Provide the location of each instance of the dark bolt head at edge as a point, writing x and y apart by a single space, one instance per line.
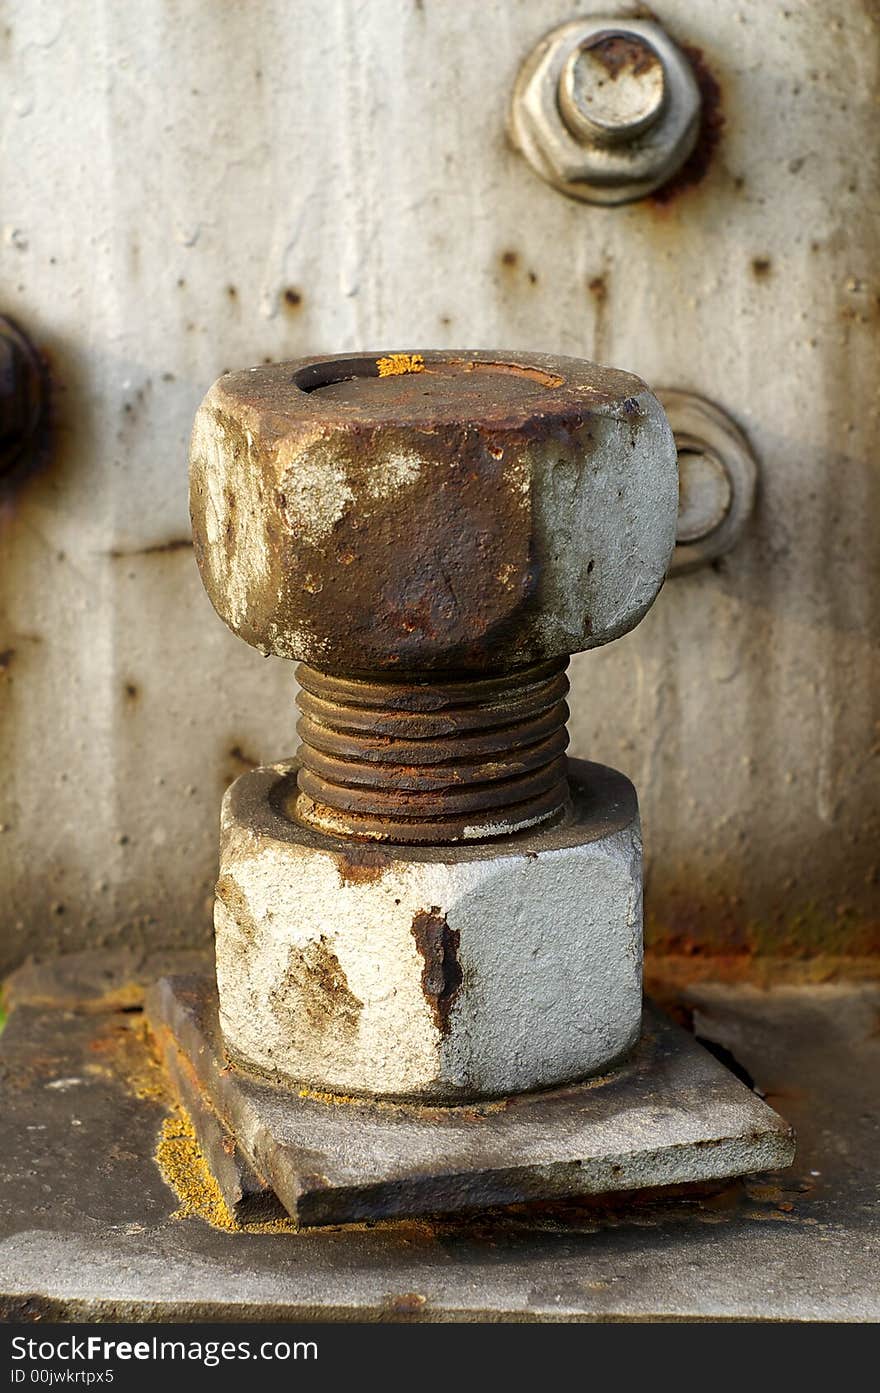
22 395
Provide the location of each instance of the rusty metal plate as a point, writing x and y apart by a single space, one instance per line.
89 1230
672 1115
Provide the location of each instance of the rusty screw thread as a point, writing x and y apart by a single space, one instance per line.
432 761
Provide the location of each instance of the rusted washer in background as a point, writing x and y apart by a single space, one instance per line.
717 479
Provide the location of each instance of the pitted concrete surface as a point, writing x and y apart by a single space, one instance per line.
361 522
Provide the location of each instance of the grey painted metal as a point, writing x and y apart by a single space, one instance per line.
87 1226
303 188
671 1114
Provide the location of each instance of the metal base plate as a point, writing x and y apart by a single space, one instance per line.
673 1114
90 1230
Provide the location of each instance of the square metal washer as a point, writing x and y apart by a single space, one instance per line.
672 1114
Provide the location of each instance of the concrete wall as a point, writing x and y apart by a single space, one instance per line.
189 186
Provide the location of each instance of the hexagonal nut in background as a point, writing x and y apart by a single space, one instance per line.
603 170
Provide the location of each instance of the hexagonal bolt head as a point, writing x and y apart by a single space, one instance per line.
467 512
606 109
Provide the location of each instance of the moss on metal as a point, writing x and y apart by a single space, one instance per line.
185 1170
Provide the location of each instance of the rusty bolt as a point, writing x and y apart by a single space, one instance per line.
606 109
431 535
22 395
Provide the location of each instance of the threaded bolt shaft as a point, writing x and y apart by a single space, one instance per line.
432 761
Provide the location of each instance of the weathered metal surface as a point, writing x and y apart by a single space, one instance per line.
467 513
88 1228
671 1115
418 513
443 972
432 761
252 211
606 108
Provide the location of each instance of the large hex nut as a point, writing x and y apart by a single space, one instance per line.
588 146
467 512
429 973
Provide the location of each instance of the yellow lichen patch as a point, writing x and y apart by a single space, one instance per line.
184 1168
396 363
320 1096
20 991
146 1077
414 1108
122 1050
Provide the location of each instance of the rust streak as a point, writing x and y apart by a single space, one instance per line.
360 865
615 52
695 168
175 544
245 760
438 945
